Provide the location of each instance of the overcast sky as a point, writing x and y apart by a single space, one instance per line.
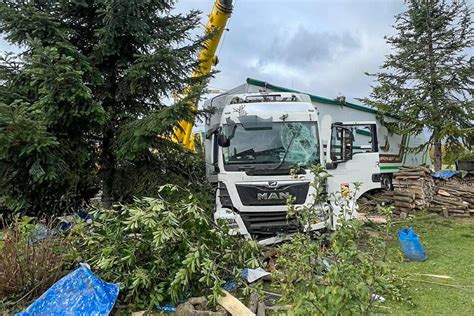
315 46
319 47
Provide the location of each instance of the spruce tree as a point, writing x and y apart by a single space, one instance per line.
86 93
427 79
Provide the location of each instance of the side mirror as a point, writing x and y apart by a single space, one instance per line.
223 140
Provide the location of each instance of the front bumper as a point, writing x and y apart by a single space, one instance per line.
266 227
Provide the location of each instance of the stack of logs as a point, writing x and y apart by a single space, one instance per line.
413 189
453 198
372 201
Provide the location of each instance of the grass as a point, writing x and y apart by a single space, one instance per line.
450 247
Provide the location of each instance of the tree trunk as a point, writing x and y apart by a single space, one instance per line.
434 99
107 167
438 158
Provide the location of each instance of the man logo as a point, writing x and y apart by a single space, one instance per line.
273 196
272 184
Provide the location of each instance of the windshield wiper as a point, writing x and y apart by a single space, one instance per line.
245 168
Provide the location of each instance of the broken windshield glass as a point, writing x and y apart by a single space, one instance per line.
268 146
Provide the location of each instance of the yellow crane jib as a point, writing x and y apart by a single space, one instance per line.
218 18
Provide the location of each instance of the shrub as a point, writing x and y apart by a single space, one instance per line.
341 279
162 249
31 260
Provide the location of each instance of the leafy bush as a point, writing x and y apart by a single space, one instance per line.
162 249
31 260
341 279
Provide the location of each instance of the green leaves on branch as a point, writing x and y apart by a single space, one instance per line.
339 276
163 249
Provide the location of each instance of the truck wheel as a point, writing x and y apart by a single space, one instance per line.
386 182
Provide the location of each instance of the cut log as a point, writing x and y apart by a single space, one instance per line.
261 309
443 193
399 198
233 305
404 204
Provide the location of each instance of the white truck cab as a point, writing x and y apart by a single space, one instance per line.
252 142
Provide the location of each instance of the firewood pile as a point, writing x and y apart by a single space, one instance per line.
453 198
414 189
372 201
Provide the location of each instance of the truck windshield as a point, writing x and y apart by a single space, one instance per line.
288 143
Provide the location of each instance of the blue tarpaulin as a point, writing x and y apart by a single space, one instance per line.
445 174
80 292
411 245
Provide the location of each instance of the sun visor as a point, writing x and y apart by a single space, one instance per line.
254 122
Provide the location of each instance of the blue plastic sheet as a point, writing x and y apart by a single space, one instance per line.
167 308
80 292
445 174
229 286
411 245
39 232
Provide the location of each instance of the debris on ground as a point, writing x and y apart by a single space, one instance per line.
378 298
230 286
371 201
261 308
233 305
433 275
80 292
253 302
371 218
252 275
197 306
167 308
411 245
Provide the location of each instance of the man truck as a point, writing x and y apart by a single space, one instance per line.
254 140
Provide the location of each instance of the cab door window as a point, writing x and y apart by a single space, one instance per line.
364 139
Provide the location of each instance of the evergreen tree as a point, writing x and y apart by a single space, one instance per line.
427 82
85 95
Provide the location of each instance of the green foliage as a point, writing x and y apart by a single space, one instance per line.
171 164
85 95
338 279
27 156
427 81
28 265
456 153
162 249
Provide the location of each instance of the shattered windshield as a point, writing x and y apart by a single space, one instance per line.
289 142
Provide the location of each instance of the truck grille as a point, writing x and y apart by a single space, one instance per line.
261 194
269 223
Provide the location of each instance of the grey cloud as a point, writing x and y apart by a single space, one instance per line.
305 48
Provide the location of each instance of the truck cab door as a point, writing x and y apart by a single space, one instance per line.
353 156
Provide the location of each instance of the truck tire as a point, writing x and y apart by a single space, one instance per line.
386 181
